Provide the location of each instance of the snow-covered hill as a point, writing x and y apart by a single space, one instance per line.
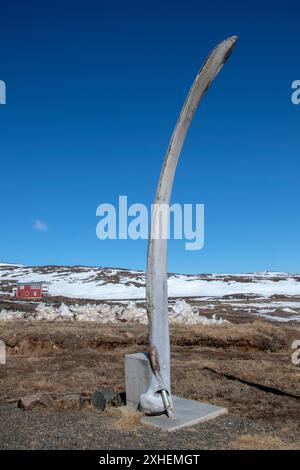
108 283
272 295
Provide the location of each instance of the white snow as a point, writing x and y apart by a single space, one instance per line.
63 281
194 287
128 285
278 318
181 312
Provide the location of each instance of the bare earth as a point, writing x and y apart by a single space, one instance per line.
245 367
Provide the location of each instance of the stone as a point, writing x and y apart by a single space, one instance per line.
29 401
3 352
103 399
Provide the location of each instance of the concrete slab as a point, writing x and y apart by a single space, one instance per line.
186 413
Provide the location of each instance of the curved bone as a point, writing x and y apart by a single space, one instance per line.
154 400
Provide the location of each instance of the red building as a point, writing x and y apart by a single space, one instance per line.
31 290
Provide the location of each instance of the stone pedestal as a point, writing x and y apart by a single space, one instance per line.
186 412
138 376
2 352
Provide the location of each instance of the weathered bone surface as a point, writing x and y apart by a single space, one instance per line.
154 400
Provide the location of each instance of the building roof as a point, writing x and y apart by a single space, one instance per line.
21 283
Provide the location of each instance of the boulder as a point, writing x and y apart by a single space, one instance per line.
103 399
36 399
69 401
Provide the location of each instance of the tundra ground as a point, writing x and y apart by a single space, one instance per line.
245 367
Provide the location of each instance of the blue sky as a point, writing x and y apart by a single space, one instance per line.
93 92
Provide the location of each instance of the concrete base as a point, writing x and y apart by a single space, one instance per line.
186 412
138 376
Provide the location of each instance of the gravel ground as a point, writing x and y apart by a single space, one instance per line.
88 429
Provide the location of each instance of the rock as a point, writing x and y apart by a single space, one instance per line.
103 399
29 401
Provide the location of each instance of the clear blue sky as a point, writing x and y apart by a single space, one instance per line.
94 89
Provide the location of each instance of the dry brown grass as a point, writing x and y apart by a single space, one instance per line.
263 442
70 357
41 384
126 419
